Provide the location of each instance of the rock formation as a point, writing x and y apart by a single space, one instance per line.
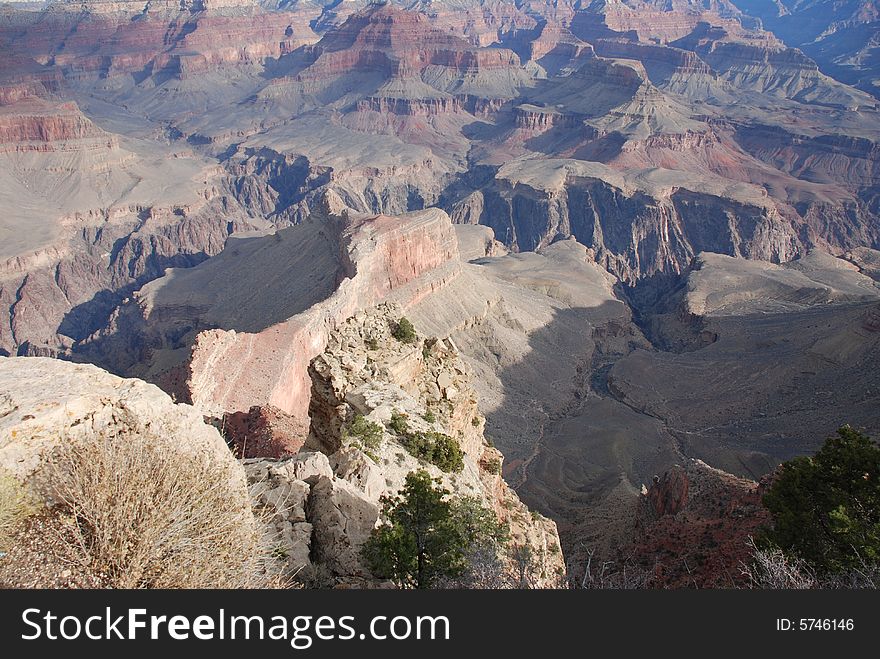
324 509
694 525
839 36
85 402
258 113
264 431
320 508
353 263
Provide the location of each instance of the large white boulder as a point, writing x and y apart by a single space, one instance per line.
45 402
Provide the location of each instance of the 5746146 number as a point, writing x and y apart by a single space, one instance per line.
815 624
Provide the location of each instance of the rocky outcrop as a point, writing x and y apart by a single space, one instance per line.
555 47
85 402
636 230
694 525
403 43
364 368
838 35
668 494
178 39
264 431
430 107
850 161
261 356
538 119
36 125
319 509
765 65
323 510
318 518
343 519
672 69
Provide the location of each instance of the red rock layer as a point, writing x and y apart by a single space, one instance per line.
67 123
401 43
694 526
264 431
184 43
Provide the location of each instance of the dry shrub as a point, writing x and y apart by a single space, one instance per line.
771 569
150 516
17 503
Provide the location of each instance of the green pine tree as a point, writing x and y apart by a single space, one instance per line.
826 508
427 535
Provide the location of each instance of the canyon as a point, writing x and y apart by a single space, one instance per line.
642 237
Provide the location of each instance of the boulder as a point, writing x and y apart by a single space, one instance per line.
281 498
264 431
46 402
307 466
342 518
353 465
669 494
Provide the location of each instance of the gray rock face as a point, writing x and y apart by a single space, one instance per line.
354 466
317 516
427 386
306 467
70 292
635 229
283 500
343 519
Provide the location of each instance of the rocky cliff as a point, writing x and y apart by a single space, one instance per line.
333 487
87 401
638 224
204 335
394 110
319 506
694 525
199 193
838 35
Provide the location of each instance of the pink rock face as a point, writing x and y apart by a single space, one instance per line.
32 119
400 42
403 258
264 432
16 92
405 250
27 122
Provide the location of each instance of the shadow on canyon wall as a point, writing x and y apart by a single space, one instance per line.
254 283
770 388
87 318
573 451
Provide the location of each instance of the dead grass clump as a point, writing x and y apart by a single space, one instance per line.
17 503
150 516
